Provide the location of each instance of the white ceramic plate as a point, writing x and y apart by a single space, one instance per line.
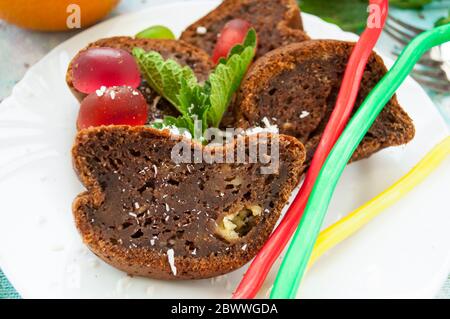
403 253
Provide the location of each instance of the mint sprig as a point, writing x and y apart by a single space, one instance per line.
164 76
206 102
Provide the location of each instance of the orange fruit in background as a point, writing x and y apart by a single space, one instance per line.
52 15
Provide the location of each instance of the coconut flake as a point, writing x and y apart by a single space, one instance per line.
101 91
269 128
201 30
266 122
304 114
143 171
171 259
176 131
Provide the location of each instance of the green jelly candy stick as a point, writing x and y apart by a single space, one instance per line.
299 252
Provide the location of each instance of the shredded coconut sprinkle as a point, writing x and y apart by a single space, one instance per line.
181 132
171 259
101 91
201 30
304 114
142 171
266 122
269 128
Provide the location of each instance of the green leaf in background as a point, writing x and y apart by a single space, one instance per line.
409 4
443 20
350 15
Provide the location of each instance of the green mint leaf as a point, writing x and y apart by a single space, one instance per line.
171 121
227 77
180 122
193 98
249 41
164 76
159 125
179 86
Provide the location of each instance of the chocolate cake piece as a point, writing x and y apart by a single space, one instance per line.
296 87
180 51
147 215
277 23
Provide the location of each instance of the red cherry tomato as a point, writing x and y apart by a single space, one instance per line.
233 33
115 105
98 67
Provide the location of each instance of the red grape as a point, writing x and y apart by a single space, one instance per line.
114 105
98 67
233 33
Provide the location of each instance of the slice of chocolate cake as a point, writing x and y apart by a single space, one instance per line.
147 215
277 23
180 51
296 88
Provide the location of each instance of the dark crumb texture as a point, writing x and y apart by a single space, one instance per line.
296 88
180 51
277 23
140 207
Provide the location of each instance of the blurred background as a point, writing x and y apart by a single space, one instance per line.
406 19
29 29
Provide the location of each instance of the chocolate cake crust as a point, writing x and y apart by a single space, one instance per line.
277 23
141 209
296 87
